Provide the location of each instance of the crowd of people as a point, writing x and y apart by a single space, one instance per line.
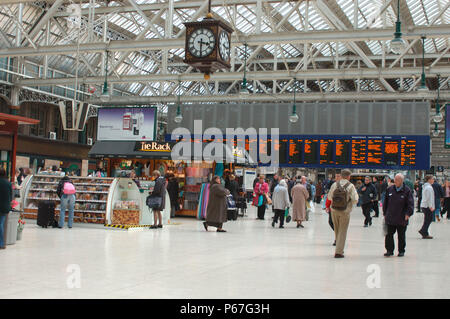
287 196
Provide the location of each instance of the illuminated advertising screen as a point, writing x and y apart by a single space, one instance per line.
126 124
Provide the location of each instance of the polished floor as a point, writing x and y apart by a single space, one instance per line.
251 260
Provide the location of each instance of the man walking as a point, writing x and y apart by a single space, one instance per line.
438 194
398 207
427 206
343 197
368 196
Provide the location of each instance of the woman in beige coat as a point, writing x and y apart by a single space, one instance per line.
299 198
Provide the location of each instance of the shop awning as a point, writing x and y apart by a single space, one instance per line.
148 149
126 149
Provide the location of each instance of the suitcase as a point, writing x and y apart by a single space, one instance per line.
232 214
46 214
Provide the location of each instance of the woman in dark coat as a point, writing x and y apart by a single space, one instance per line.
6 196
173 190
158 191
216 213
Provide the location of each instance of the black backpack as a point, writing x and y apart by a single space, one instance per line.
340 197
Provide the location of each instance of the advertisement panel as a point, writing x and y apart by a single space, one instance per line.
127 124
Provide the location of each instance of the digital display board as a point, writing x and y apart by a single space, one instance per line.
391 152
342 152
359 150
407 153
311 156
295 151
326 151
374 152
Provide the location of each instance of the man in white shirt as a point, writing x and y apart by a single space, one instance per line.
427 206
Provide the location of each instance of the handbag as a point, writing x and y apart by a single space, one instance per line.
153 202
286 214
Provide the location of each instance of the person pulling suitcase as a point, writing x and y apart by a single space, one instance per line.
66 192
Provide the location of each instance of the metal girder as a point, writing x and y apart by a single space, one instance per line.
40 25
310 74
310 96
272 38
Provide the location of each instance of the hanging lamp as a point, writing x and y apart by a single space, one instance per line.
423 85
105 96
178 117
293 118
244 92
398 44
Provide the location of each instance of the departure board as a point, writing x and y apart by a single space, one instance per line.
311 151
326 151
282 151
408 153
374 152
391 153
342 152
359 152
295 151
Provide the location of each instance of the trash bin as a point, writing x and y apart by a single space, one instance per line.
11 227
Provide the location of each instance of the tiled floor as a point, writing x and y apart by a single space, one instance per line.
251 260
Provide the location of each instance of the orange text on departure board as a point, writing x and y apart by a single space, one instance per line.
391 147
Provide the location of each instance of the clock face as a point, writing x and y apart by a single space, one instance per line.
224 46
201 42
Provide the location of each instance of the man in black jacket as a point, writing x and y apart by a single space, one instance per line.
6 196
398 207
368 195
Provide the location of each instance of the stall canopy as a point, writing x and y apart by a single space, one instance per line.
9 124
131 149
148 149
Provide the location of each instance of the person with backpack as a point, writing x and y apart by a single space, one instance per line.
398 207
368 194
66 192
343 197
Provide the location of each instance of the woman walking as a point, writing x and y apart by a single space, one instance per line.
300 196
216 213
159 191
280 202
261 189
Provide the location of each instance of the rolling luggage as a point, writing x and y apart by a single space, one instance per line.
232 211
46 214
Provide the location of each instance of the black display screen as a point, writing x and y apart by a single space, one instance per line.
295 151
342 152
374 152
408 153
326 151
311 156
359 152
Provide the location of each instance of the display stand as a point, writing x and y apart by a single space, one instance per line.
127 204
91 197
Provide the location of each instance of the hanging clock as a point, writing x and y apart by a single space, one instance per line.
208 45
224 45
201 42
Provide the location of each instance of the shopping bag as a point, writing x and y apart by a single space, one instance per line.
312 207
385 228
286 214
260 200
